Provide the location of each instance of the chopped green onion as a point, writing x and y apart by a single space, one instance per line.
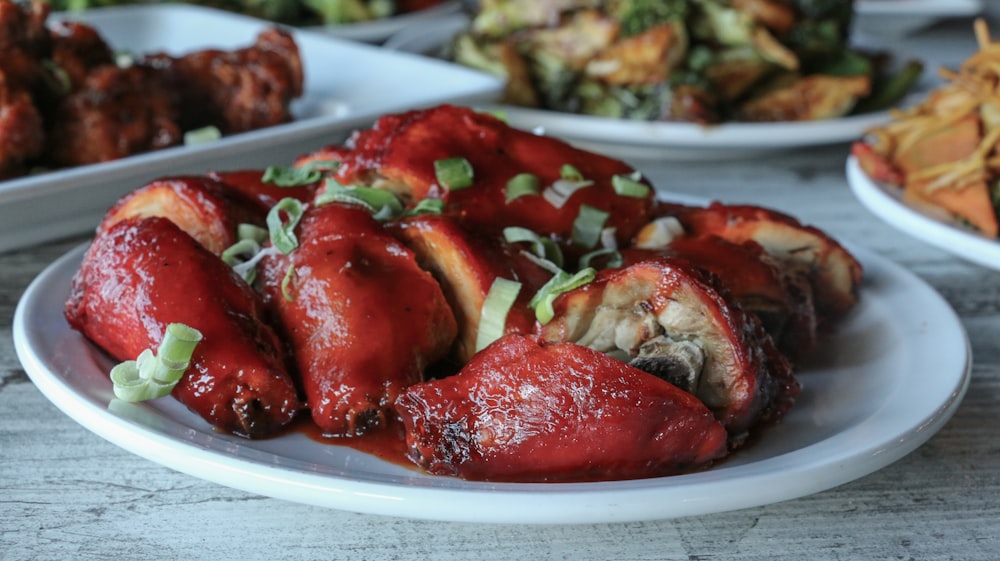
561 282
493 316
497 113
124 58
630 185
240 253
559 192
204 135
588 225
453 173
381 203
282 231
151 376
615 259
286 281
251 232
522 184
60 78
570 173
545 248
426 206
291 177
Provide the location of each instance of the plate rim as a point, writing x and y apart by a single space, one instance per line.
577 502
883 201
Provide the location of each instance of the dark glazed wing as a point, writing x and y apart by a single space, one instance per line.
144 273
520 411
671 318
362 318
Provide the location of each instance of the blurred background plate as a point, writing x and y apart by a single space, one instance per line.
900 17
342 92
378 30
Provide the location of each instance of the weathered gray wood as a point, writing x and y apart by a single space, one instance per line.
67 494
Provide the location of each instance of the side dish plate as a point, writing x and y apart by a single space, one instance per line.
646 139
880 386
928 225
379 30
347 85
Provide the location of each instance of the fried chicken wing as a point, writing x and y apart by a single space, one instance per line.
238 90
362 319
520 411
144 273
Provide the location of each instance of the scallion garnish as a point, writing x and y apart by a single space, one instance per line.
383 204
588 225
570 173
59 77
204 135
630 185
614 257
291 177
559 283
286 282
239 254
522 184
426 206
453 173
251 232
282 228
151 376
543 247
493 315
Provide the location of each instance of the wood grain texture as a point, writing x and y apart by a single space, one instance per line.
67 494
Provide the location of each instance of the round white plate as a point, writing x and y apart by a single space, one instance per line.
900 17
886 380
935 228
378 30
629 139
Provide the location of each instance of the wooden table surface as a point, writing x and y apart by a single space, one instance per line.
65 493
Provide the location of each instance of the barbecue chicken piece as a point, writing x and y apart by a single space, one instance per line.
237 90
78 49
144 273
23 42
669 317
520 411
781 299
22 131
399 153
465 265
116 113
834 274
362 318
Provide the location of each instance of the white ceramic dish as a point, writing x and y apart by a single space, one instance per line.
379 30
632 140
933 226
347 85
900 17
889 377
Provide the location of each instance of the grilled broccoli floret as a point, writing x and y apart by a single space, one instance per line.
636 16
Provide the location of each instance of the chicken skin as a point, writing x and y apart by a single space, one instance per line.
362 318
144 273
520 411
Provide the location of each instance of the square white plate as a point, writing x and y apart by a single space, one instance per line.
347 85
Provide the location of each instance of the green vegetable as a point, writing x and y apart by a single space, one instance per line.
291 176
349 11
426 206
888 91
542 247
384 205
614 257
493 315
630 185
281 222
588 225
453 173
559 283
203 135
636 16
520 185
151 376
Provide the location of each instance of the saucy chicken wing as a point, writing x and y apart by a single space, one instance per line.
362 318
520 411
142 274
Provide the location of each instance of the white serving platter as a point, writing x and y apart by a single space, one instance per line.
347 85
883 383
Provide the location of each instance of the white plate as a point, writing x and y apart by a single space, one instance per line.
899 17
347 85
379 30
933 226
644 139
889 377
